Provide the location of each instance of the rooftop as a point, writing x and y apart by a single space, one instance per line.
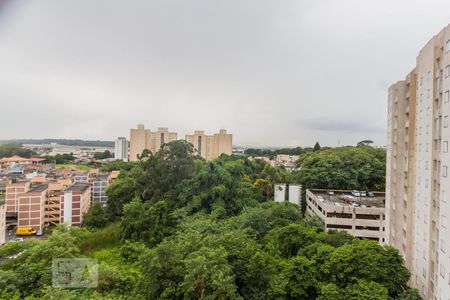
345 198
78 187
38 189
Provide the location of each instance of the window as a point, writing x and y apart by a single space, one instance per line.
445 121
447 96
444 197
445 146
443 245
444 221
447 71
447 46
429 76
444 171
428 93
442 271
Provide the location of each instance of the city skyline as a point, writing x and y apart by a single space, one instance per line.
247 67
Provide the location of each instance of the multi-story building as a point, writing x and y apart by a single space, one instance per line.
2 222
361 217
13 190
418 182
75 203
31 206
400 166
141 139
211 146
99 186
121 149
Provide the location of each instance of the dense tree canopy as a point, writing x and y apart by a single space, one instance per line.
346 168
179 227
8 150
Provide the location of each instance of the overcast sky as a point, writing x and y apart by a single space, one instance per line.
274 73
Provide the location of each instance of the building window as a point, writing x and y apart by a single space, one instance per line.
429 76
447 71
443 245
444 171
442 271
444 221
445 146
445 121
444 196
447 96
428 93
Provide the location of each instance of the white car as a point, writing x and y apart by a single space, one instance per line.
363 194
356 193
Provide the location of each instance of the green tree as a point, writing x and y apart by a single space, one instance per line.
209 276
345 168
146 222
364 143
295 280
96 217
316 147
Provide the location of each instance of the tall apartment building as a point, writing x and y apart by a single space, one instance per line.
121 149
418 185
211 146
141 139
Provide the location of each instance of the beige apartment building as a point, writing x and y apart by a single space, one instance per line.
362 217
141 139
211 146
418 184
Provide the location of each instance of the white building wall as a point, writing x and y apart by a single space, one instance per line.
295 194
280 192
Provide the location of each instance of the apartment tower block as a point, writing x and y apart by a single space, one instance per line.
417 182
141 139
211 146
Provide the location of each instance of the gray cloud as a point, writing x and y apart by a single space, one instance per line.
265 70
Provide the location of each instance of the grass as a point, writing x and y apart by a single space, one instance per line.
107 237
74 167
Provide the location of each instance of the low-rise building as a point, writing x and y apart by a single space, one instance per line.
99 186
362 217
2 222
13 190
31 207
76 202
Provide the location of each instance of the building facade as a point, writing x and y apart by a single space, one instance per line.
121 149
13 190
141 139
418 181
2 222
31 207
99 186
75 203
361 217
211 146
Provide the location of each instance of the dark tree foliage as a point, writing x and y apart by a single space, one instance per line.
346 168
8 150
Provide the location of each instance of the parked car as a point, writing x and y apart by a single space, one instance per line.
25 231
370 194
331 193
39 232
18 240
356 193
363 194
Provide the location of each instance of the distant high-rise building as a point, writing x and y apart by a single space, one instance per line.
418 179
211 146
121 149
141 139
